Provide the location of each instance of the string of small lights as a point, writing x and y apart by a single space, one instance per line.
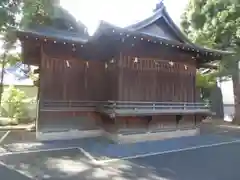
136 60
145 38
125 36
157 62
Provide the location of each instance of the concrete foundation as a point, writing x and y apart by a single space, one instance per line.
130 137
75 134
151 136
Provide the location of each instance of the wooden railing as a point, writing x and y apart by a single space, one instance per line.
154 105
69 105
126 107
145 108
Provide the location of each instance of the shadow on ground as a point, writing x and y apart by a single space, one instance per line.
71 165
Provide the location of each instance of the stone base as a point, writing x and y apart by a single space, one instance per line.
68 135
118 137
151 136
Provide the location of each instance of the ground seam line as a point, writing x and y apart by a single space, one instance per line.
40 150
4 136
88 155
166 152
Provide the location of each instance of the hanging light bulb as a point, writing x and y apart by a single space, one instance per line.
171 63
135 60
112 60
68 64
156 63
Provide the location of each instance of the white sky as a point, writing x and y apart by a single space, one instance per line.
118 12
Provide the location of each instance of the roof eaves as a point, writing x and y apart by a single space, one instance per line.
107 29
185 39
49 32
175 28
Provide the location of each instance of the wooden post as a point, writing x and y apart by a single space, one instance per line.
2 77
239 72
236 88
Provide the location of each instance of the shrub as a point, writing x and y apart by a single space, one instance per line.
13 100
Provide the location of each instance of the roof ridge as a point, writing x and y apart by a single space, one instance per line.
138 25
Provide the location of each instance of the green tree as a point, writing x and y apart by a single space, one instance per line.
21 13
205 83
13 99
216 24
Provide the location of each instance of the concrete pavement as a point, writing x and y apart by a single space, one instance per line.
213 163
216 157
7 174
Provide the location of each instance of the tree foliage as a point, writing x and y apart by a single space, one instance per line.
12 59
14 98
216 24
213 23
15 14
205 83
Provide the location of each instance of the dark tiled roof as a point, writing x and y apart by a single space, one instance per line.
49 32
105 28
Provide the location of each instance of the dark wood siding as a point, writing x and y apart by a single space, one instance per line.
72 79
31 52
112 79
155 80
153 77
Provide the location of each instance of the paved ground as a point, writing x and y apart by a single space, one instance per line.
214 155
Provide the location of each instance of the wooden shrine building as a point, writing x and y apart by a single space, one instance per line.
120 82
